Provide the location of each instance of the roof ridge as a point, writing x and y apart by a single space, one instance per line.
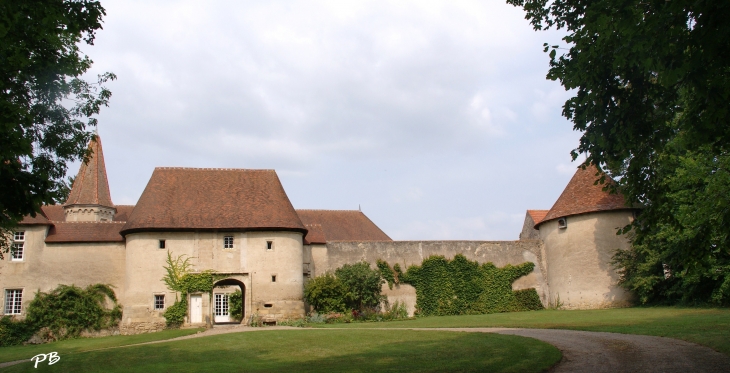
89 222
328 210
215 169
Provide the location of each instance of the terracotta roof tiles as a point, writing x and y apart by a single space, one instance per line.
67 232
315 234
213 198
344 225
582 196
91 186
537 215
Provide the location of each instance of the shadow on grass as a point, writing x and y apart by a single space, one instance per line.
320 350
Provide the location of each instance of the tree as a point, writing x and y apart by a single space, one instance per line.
45 106
652 82
363 285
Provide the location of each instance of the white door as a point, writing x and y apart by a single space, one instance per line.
220 308
196 309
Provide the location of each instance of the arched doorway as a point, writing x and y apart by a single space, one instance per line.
224 301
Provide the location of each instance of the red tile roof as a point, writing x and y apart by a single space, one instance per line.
220 199
54 212
67 232
344 225
123 212
537 215
582 196
39 219
91 186
315 234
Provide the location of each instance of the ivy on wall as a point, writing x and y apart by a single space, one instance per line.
464 287
63 313
180 279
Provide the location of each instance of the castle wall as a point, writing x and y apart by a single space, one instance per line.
406 253
580 273
45 266
250 262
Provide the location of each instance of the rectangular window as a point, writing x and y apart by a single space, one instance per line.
19 236
228 242
13 301
269 245
17 252
273 278
159 301
162 244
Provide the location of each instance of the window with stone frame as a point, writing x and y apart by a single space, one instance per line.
228 242
159 301
13 301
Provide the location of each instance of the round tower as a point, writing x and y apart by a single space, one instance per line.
579 233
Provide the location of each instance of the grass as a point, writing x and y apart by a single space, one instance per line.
317 350
13 353
706 326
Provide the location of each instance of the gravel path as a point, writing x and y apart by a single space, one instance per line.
592 352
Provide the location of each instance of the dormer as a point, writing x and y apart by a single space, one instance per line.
89 199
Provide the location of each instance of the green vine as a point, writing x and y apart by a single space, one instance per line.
462 287
180 279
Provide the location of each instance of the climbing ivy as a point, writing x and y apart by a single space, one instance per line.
235 301
180 279
462 287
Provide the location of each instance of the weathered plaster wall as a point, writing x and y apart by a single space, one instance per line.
408 253
45 266
249 262
579 256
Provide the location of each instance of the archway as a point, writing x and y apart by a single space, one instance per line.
224 303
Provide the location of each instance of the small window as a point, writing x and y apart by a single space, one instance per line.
269 245
19 236
13 301
273 278
228 242
562 223
16 253
162 244
268 305
159 301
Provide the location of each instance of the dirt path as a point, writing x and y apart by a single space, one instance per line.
592 352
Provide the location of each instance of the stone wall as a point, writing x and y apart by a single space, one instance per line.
408 253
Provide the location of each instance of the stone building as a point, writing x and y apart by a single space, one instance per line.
241 224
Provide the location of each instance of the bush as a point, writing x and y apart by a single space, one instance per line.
175 314
362 284
528 300
14 332
235 304
326 294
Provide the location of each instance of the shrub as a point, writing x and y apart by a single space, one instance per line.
235 304
362 284
528 300
175 314
68 310
14 332
326 294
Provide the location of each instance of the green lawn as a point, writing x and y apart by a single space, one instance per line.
86 344
317 350
705 326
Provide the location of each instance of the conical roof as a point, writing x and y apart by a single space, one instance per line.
582 196
91 186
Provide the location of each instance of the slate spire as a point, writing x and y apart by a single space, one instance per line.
91 186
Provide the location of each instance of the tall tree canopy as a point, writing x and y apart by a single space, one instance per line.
652 86
45 107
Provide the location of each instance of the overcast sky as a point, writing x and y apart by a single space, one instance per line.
434 116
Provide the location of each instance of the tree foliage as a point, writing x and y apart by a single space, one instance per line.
652 82
45 106
351 287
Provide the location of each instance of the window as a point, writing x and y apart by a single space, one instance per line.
562 223
228 242
13 301
269 245
162 244
159 301
16 252
273 278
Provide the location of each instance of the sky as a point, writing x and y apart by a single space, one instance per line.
432 117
